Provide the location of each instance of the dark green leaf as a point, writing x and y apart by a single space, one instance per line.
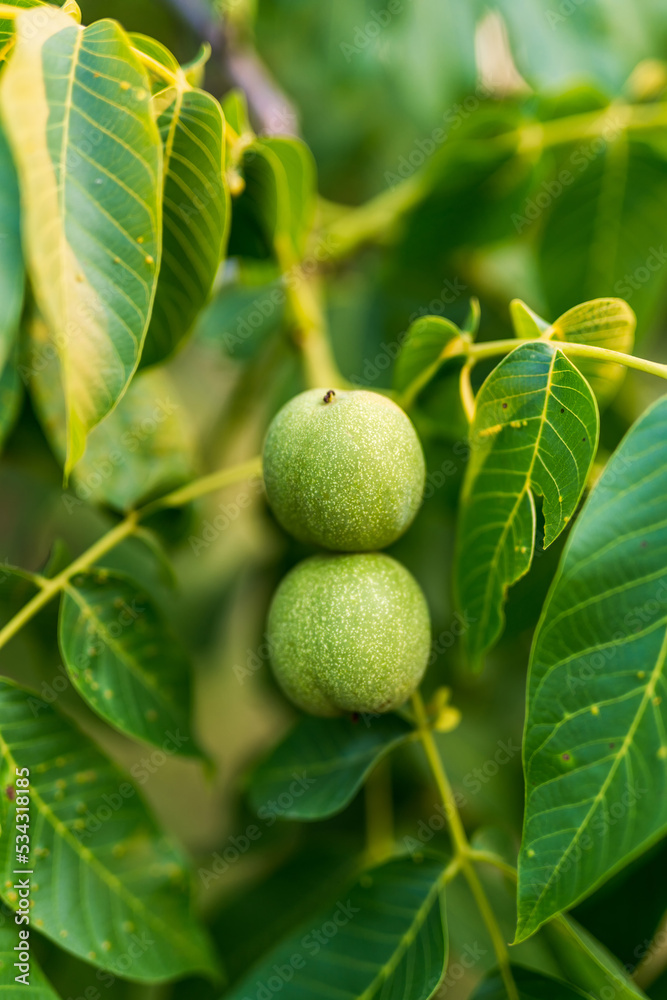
11 395
385 939
195 214
124 660
535 431
35 986
595 749
322 764
108 887
531 986
586 962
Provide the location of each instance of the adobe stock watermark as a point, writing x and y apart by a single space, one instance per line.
311 944
129 441
238 844
577 163
227 513
453 118
473 782
365 34
631 282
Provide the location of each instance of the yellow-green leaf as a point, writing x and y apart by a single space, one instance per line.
608 323
76 104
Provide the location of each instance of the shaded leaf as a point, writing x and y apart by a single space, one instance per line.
595 750
608 323
604 233
587 962
296 188
76 107
325 762
38 987
429 343
98 853
11 396
195 214
124 660
195 68
531 986
535 431
142 448
389 942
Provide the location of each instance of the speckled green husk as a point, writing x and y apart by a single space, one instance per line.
349 633
346 474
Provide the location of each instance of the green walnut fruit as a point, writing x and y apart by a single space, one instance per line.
349 633
344 470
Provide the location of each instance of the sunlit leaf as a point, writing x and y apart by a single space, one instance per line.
527 324
535 432
608 323
389 943
595 750
124 660
76 107
7 25
110 888
195 214
322 764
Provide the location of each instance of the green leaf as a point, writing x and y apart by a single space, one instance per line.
604 233
527 324
244 313
195 214
76 106
108 886
429 343
235 109
595 750
296 188
124 660
585 961
608 323
142 448
194 69
38 987
322 763
11 396
531 986
389 941
7 25
535 431
12 272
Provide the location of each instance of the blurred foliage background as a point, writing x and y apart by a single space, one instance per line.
471 122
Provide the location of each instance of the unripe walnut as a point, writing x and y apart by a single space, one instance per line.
349 633
344 470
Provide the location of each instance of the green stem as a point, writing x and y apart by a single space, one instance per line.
49 588
462 849
478 352
379 813
312 339
375 220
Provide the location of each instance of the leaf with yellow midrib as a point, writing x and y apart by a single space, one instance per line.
76 106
